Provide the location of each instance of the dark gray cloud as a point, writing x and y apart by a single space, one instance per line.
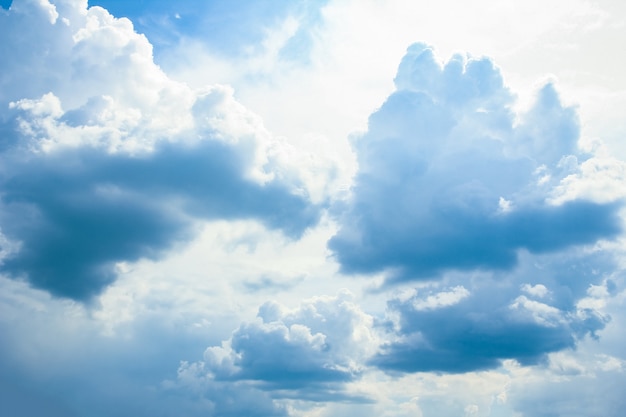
450 179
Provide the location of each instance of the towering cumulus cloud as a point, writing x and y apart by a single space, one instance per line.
458 193
456 190
449 180
105 159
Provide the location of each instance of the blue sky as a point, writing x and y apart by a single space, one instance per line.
312 208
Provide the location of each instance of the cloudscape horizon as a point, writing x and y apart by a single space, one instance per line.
318 209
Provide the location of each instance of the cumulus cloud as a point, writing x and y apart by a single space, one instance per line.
483 207
498 316
105 159
450 178
308 353
491 223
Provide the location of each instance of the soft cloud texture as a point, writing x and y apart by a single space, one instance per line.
214 26
306 353
456 190
449 178
498 318
481 243
119 179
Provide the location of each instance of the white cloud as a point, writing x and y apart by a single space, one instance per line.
538 290
541 313
128 130
599 178
441 299
309 353
436 162
87 98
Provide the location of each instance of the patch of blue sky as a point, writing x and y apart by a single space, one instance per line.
226 28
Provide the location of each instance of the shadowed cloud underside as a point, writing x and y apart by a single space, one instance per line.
448 179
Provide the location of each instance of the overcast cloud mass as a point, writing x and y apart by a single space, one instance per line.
272 209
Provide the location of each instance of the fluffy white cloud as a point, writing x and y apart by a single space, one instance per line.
308 353
454 186
175 210
451 178
108 159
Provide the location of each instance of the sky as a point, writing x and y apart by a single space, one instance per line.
312 208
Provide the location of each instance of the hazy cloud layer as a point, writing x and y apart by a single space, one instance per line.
560 393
